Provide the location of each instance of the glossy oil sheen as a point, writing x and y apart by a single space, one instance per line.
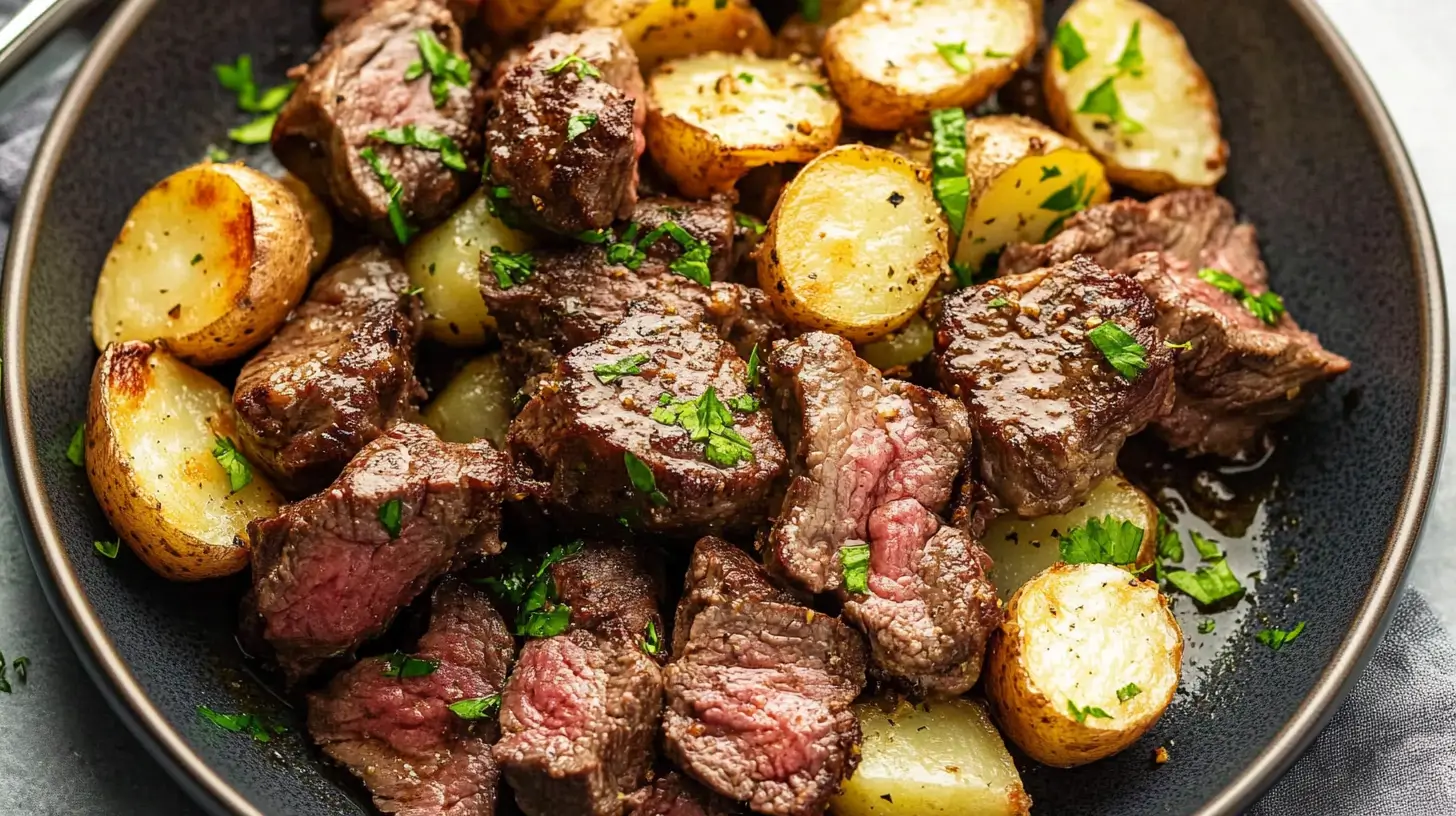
1305 167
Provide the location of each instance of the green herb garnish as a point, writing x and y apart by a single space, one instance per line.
744 77
1276 639
414 290
445 66
743 403
817 87
1128 692
196 259
1107 540
998 302
1103 101
107 549
234 464
1184 346
475 708
533 591
643 480
425 139
948 165
609 373
810 10
748 222
583 68
579 123
1081 714
625 252
76 450
1206 626
753 366
391 515
22 668
242 724
596 236
399 664
403 230
511 268
1208 586
1122 351
855 561
955 56
1268 307
1131 60
650 642
256 132
1070 197
707 420
1071 46
1207 550
1170 546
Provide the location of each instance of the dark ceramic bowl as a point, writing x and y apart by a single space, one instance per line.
1315 163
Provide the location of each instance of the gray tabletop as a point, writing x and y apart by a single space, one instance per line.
62 751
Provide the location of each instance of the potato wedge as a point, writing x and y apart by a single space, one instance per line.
660 30
892 62
855 245
946 758
320 220
475 404
151 425
1026 180
1157 127
714 117
445 264
1021 548
1085 662
210 260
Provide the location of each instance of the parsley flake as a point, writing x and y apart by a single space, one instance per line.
1183 346
256 132
651 644
625 251
1067 198
391 515
817 87
1131 60
745 77
707 420
854 559
1208 586
609 373
748 222
810 10
414 290
583 68
533 591
1277 639
76 450
446 68
399 664
1122 350
1170 546
475 708
425 139
997 303
249 724
1070 45
197 259
1081 714
1104 101
234 464
1108 540
22 668
753 367
643 480
596 236
578 124
1268 307
1206 626
955 56
1207 550
403 230
511 268
1128 692
107 549
743 403
948 165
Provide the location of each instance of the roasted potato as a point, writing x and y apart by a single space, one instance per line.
475 404
1085 662
211 260
905 347
799 35
320 221
892 62
445 264
1120 79
713 117
941 758
1020 548
660 30
855 245
152 425
1026 180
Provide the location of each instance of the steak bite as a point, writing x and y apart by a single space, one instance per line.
638 426
673 794
1240 373
395 729
331 571
1050 409
759 699
720 573
338 373
874 461
579 714
710 222
356 85
567 130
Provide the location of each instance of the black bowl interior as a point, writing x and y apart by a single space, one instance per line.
1306 167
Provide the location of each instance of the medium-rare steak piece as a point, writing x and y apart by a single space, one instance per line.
580 712
1239 374
874 461
356 85
392 726
673 794
338 373
720 573
331 571
567 130
1050 409
652 424
759 699
1196 227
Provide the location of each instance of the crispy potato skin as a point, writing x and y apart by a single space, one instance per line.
708 126
814 261
250 232
1034 668
660 30
885 68
146 405
320 220
1181 146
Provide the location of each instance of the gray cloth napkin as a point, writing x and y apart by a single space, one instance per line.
1391 748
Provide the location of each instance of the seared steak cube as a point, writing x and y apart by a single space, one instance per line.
759 699
567 130
394 729
653 424
1051 410
355 85
710 222
874 461
580 712
338 373
720 573
1240 373
331 571
673 794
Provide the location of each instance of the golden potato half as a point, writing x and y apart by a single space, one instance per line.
714 117
1156 123
320 221
1085 663
151 426
661 30
211 260
892 62
475 404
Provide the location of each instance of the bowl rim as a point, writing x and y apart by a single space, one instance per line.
114 678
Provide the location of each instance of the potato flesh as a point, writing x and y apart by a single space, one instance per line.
1022 548
181 261
901 50
948 759
1171 100
661 30
445 264
1012 207
475 404
905 347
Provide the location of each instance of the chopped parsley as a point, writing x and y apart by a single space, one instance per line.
249 724
197 259
1050 173
609 373
403 230
998 302
855 561
811 10
817 87
743 403
1276 639
748 222
1170 546
475 708
693 262
4 683
256 132
753 366
583 68
446 68
643 480
76 450
1103 101
1122 351
596 236
1131 60
955 56
533 591
415 290
1208 586
511 268
707 420
1207 550
579 123
399 664
1070 45
238 78
1128 692
1268 307
651 644
1206 626
234 464
1183 346
948 165
745 77
216 154
107 549
21 666
991 53
625 252
1107 540
1081 714
391 515
425 139
1068 197
963 274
